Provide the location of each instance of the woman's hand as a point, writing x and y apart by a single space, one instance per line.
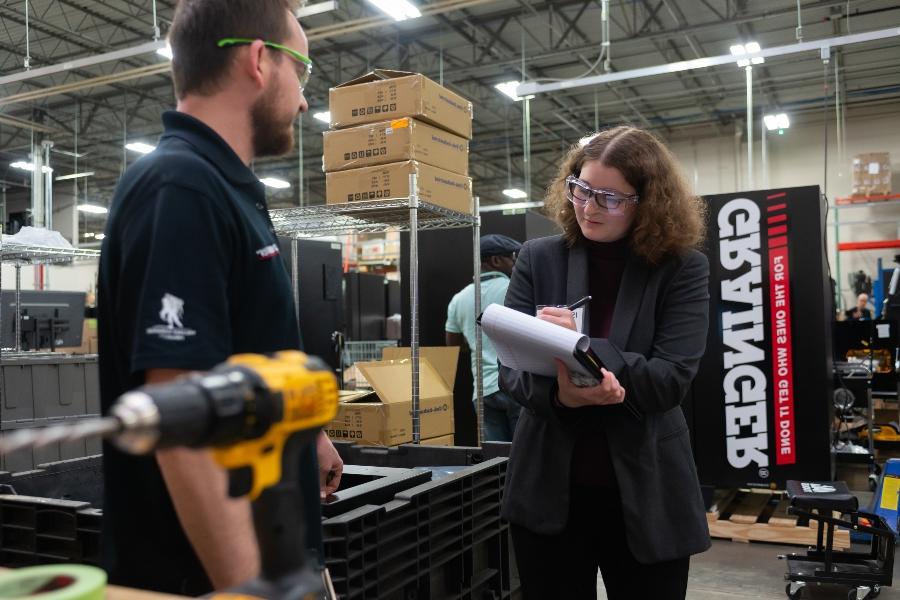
558 316
609 391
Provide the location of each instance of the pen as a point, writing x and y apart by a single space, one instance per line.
579 303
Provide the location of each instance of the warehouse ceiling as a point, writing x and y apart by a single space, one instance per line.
471 45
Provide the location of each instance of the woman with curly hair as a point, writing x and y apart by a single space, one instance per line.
591 485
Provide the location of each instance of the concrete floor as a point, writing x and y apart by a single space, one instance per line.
734 571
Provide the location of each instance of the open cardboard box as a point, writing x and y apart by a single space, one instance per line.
383 416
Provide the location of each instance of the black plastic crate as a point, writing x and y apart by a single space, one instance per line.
79 479
408 456
361 485
44 528
440 538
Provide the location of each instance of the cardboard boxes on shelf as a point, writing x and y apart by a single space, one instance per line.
383 416
436 186
395 141
384 95
872 174
401 123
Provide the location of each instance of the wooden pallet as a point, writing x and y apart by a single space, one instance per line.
761 516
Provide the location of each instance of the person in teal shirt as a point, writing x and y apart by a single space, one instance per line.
498 255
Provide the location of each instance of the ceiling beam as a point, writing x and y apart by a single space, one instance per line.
530 88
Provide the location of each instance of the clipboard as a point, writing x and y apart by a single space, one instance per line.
526 343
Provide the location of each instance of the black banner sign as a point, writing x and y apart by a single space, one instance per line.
762 399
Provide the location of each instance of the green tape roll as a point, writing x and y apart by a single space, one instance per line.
54 582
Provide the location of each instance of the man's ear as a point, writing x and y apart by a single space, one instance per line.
496 262
250 63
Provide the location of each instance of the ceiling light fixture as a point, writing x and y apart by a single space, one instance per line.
24 166
165 51
324 116
274 182
515 193
140 147
74 176
779 121
316 9
399 10
508 88
93 209
747 50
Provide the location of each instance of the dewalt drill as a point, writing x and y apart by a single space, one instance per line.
256 413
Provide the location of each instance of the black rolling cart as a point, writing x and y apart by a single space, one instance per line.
854 408
863 572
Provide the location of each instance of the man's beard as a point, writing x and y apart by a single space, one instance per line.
272 136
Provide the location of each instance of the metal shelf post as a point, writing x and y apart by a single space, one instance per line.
479 366
414 301
18 314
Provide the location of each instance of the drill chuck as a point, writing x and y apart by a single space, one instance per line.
225 406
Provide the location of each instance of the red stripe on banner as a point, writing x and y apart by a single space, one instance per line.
778 195
777 219
782 357
777 242
775 207
878 245
777 230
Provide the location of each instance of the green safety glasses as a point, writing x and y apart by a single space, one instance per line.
302 63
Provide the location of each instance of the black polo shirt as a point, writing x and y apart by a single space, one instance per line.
190 274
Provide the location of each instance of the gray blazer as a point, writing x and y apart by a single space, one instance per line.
657 338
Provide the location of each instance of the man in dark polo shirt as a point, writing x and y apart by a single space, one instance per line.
190 274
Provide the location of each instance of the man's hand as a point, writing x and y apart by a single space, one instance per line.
558 316
609 391
330 465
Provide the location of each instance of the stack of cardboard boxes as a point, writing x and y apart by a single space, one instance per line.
383 416
388 124
385 126
872 174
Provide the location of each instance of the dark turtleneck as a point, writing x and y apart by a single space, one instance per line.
591 463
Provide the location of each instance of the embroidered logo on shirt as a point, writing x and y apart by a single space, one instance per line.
171 313
268 253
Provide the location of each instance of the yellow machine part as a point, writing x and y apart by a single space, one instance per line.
310 401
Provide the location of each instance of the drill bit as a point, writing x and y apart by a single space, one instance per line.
68 432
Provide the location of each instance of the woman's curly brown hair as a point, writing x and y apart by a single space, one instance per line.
670 219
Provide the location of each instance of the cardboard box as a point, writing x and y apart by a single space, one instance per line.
394 141
444 440
385 95
88 340
436 186
872 174
383 417
443 358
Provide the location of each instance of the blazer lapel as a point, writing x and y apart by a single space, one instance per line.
577 281
628 300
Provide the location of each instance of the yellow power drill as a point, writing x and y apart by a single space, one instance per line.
256 413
